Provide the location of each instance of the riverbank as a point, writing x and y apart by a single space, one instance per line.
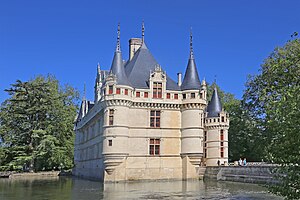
47 174
245 174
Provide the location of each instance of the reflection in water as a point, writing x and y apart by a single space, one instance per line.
75 189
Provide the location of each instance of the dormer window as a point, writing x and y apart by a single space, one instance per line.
193 95
110 89
157 90
138 94
184 96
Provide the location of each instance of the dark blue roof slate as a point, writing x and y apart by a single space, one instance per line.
191 79
214 106
139 68
117 68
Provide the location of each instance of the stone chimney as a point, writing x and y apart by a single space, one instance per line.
134 45
179 74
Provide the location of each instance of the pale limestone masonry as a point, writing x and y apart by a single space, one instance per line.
138 133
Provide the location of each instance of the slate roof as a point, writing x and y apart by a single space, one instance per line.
191 79
214 106
117 68
139 68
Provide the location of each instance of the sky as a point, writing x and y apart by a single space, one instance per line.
67 39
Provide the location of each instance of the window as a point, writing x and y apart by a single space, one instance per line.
222 119
155 118
184 96
168 95
154 147
222 144
138 94
111 116
146 94
205 136
118 91
222 134
205 153
193 95
175 96
222 152
110 90
157 90
110 143
126 91
201 95
214 120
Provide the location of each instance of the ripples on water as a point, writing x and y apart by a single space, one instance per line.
77 189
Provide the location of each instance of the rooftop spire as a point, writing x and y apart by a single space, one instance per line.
117 67
98 68
84 92
143 31
191 45
191 78
118 38
214 106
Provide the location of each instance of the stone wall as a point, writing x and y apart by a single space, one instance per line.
246 174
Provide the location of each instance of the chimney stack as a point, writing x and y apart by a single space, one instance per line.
134 45
179 74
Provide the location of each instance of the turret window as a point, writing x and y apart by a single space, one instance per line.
154 147
126 91
168 95
175 96
193 95
110 143
222 119
184 96
111 116
138 94
118 91
155 118
146 94
157 90
110 89
222 152
222 134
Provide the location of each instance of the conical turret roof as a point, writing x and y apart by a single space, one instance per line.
191 79
117 67
214 106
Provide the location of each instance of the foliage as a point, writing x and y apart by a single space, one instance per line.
273 100
243 135
37 125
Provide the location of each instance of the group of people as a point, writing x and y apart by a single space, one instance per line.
242 162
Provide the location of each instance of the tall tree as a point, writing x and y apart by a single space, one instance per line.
273 99
36 124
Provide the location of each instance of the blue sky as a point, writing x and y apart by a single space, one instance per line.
68 38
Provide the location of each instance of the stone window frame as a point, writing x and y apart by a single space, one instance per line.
111 113
154 146
155 117
110 89
157 90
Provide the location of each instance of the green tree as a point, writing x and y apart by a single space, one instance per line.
243 135
273 99
36 125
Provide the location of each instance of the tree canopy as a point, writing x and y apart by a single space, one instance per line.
36 125
273 100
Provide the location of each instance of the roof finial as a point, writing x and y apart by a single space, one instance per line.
84 92
98 68
191 44
118 38
143 31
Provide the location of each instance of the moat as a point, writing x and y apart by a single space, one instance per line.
74 189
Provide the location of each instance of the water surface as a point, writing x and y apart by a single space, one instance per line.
76 189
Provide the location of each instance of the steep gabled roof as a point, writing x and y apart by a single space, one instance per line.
214 106
139 68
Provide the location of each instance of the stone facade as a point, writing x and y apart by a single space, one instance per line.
147 133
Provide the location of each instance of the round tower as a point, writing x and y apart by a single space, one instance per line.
216 133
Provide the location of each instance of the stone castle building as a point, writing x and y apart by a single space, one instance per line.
144 125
